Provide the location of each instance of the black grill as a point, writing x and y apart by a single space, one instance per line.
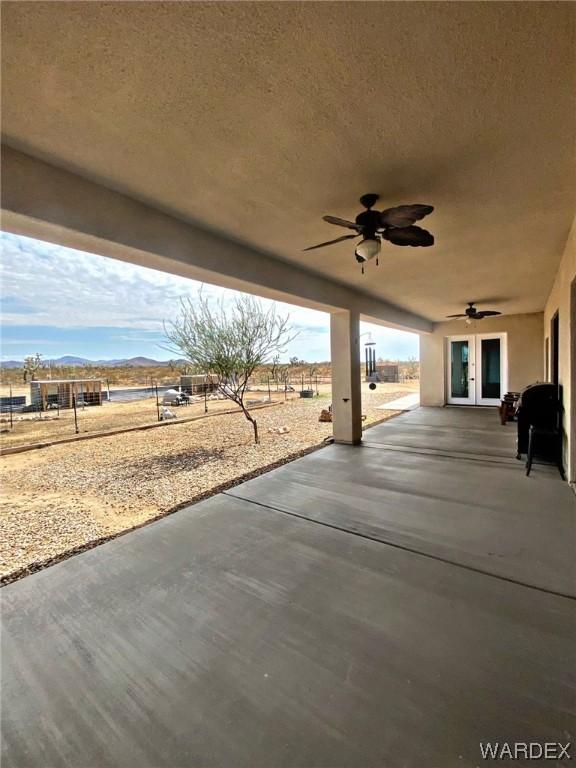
540 415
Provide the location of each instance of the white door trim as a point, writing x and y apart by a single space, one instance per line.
471 399
503 368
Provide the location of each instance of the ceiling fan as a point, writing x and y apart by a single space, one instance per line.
396 225
471 313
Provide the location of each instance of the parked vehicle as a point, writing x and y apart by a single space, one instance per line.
173 397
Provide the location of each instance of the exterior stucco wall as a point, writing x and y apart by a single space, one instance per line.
525 353
559 301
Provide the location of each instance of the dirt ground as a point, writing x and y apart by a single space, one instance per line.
29 428
65 496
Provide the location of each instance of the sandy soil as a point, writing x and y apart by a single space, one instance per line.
29 428
65 496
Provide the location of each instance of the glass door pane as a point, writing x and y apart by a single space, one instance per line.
459 356
491 369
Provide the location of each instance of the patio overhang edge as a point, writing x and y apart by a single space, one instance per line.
44 201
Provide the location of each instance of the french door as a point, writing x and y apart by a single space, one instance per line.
476 369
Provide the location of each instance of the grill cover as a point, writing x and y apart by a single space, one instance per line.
539 406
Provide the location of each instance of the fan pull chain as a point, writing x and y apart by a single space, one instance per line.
362 268
376 260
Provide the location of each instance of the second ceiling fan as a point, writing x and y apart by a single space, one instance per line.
396 225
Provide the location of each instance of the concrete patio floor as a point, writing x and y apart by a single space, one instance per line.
389 605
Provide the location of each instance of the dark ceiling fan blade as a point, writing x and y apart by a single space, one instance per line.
449 317
487 313
404 215
342 222
331 242
414 236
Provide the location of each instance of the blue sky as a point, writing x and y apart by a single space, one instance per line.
59 301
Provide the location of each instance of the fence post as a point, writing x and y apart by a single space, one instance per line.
317 393
205 394
108 387
82 393
157 402
75 412
11 421
302 384
269 393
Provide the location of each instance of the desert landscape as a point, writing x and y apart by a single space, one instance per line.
52 426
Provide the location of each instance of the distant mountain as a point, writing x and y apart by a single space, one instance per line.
136 362
69 360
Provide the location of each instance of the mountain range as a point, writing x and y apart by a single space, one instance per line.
72 360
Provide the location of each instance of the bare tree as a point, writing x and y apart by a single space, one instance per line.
273 367
412 367
228 342
283 374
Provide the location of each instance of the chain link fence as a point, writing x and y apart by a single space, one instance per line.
53 410
48 411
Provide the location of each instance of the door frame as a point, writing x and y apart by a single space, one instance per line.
471 399
475 363
503 368
555 348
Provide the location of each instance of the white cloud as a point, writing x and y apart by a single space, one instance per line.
64 288
68 288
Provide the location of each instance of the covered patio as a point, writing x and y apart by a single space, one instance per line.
396 598
211 140
394 604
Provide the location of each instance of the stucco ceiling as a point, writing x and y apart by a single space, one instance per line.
255 119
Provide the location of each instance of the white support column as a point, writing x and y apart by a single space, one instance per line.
346 392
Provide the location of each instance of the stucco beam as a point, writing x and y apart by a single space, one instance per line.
43 201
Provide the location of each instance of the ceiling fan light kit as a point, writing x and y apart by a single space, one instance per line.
367 249
395 225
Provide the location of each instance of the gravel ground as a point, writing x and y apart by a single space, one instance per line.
29 428
63 497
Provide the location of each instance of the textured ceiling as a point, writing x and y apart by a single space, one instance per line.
255 119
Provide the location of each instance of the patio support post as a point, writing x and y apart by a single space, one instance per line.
346 392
